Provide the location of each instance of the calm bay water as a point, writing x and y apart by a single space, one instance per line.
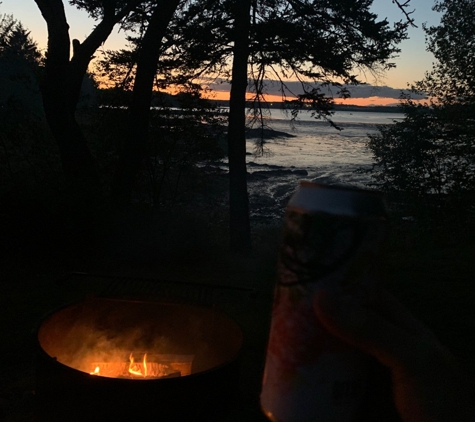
317 152
317 146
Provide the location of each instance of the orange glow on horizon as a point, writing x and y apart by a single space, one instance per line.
364 102
370 101
270 98
224 96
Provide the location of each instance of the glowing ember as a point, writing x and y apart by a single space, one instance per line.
160 366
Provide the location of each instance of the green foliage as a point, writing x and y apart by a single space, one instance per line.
432 151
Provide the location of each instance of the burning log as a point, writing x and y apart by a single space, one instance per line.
101 359
151 366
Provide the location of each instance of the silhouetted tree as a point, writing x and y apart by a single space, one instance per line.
20 106
16 42
320 43
433 149
139 109
61 86
20 61
240 229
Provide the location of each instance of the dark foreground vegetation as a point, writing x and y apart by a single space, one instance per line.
175 225
429 264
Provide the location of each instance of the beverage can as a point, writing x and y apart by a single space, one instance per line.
332 238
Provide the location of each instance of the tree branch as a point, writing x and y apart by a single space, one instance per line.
100 33
403 7
58 30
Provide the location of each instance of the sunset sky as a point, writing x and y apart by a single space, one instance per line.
410 65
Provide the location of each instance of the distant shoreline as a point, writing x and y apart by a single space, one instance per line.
336 107
117 98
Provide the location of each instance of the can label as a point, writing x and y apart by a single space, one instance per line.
309 374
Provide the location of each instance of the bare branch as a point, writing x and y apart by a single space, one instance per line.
403 8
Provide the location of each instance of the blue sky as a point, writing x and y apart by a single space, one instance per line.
414 60
411 65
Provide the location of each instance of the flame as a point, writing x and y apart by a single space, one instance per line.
134 368
149 366
96 371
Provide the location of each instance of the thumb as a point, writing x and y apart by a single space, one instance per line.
363 328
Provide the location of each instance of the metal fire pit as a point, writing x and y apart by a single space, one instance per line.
200 385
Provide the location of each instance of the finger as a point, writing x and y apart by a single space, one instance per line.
395 312
364 328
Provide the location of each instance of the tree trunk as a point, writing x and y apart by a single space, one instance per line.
139 112
77 161
61 88
240 228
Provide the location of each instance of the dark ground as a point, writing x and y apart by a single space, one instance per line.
134 250
429 267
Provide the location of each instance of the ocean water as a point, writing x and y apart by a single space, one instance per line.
315 152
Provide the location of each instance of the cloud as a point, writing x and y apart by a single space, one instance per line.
273 87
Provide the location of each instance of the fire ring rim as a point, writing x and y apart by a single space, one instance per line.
53 360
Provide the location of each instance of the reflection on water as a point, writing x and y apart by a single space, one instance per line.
317 152
317 143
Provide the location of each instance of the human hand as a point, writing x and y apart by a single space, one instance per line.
428 385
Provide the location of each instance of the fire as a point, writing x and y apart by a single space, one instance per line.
134 369
150 366
145 365
96 371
